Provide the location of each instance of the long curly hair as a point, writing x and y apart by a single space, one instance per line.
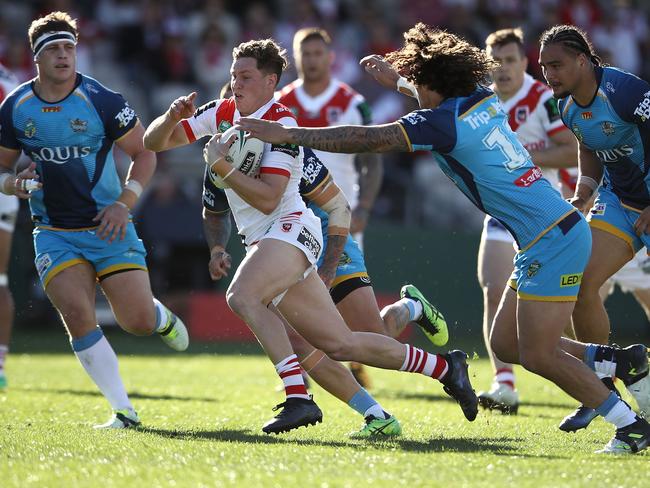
441 61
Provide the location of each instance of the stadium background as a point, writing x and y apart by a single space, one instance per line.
422 229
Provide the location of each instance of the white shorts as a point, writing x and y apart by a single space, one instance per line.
493 230
8 212
635 275
302 230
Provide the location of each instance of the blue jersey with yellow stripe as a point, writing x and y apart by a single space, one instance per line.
616 126
475 147
71 142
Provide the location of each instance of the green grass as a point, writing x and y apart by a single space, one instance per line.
203 413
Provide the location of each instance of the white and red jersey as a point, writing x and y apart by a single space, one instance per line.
283 159
533 115
8 82
8 203
337 105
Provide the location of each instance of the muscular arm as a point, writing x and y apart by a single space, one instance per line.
143 162
563 153
351 138
590 166
166 131
217 228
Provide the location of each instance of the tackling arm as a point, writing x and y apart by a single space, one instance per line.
591 172
142 166
563 153
217 227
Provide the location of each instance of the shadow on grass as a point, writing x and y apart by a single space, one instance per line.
134 395
507 446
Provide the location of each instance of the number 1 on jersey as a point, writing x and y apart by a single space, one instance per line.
515 158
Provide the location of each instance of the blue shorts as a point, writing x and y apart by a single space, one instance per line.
612 216
351 271
551 269
59 249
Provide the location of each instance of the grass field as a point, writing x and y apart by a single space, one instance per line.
203 413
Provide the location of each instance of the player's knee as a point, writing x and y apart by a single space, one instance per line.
338 349
139 322
502 349
535 360
241 301
492 295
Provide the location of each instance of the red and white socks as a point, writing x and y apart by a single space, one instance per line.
505 376
291 375
419 361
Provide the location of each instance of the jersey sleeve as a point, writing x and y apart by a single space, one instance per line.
314 173
214 199
8 137
280 159
550 114
430 130
631 99
116 114
203 122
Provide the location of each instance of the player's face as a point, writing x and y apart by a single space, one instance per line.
508 77
251 87
313 60
57 62
561 69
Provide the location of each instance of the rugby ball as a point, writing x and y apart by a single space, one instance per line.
245 154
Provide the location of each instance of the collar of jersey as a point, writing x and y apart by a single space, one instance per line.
598 71
258 113
76 85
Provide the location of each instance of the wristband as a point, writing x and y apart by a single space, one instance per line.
589 182
134 186
122 204
223 178
403 86
3 179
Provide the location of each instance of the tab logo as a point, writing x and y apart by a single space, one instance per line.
568 280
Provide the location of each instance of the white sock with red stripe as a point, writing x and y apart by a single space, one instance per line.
291 375
419 361
505 376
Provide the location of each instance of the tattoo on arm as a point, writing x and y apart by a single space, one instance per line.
333 251
352 138
371 174
216 228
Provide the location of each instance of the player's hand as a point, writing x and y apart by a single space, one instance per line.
359 220
219 265
216 149
182 107
113 221
381 70
266 130
642 223
581 204
327 275
26 181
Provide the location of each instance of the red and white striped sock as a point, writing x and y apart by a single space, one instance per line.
419 361
505 376
291 375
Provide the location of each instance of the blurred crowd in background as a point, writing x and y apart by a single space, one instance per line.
153 51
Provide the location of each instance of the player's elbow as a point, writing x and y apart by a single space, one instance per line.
268 206
151 143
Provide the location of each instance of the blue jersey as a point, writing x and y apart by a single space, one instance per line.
71 142
475 147
314 175
616 126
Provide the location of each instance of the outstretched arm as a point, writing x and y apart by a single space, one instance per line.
342 139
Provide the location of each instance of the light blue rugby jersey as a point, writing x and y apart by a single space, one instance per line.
616 126
71 142
475 147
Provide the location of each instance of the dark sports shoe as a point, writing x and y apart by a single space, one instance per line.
295 413
581 417
457 385
631 363
360 373
432 322
630 439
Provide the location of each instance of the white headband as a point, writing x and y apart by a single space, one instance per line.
52 37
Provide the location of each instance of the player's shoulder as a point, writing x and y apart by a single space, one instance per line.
215 105
95 89
19 94
481 97
277 112
619 85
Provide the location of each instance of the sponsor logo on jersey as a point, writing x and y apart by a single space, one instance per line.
598 209
79 125
333 114
587 115
59 154
43 262
30 128
344 260
312 166
365 279
205 107
570 280
529 177
310 243
576 131
521 114
223 126
613 155
414 118
290 149
49 110
609 87
643 109
286 227
208 197
483 117
125 116
533 268
608 128
91 88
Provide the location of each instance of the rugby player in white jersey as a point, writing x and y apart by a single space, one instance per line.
317 99
8 212
534 118
283 241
